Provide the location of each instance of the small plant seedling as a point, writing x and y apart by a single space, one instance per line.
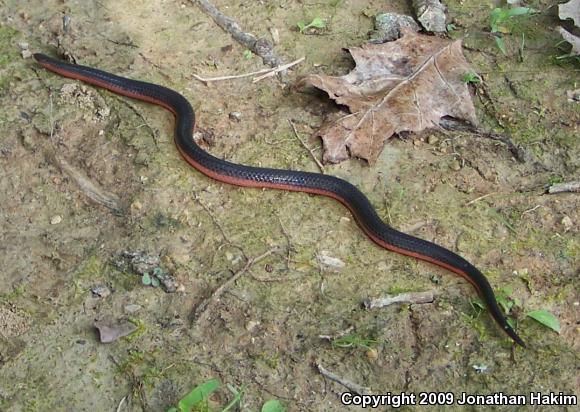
507 303
501 22
238 395
247 54
545 318
504 300
273 405
149 280
471 78
146 279
451 27
317 23
198 398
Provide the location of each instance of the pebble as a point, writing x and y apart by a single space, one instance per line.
432 139
55 220
136 205
132 308
237 116
101 291
326 260
372 354
251 325
567 223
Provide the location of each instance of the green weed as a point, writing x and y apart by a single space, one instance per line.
198 399
316 23
501 21
471 78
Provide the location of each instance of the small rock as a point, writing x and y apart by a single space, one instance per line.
233 258
101 291
55 220
136 205
326 260
388 26
573 95
432 139
237 116
567 223
132 308
431 15
23 45
480 368
372 354
26 54
251 325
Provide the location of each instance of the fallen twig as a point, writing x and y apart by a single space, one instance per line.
203 307
477 199
121 403
338 335
411 297
531 210
573 186
235 76
318 163
278 69
264 72
261 46
351 386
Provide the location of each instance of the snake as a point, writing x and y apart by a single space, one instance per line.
344 192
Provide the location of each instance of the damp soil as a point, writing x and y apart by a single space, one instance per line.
88 176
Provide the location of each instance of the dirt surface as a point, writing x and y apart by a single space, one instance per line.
87 175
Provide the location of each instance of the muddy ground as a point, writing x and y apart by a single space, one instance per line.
87 175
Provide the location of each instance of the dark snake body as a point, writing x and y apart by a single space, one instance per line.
315 183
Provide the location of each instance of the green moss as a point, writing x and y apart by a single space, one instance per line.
8 50
92 268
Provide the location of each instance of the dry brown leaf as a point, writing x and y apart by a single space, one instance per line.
110 331
405 85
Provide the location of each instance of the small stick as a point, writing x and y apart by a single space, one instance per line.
121 404
337 335
351 386
413 297
531 210
269 72
480 198
236 76
320 166
573 186
203 307
278 69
